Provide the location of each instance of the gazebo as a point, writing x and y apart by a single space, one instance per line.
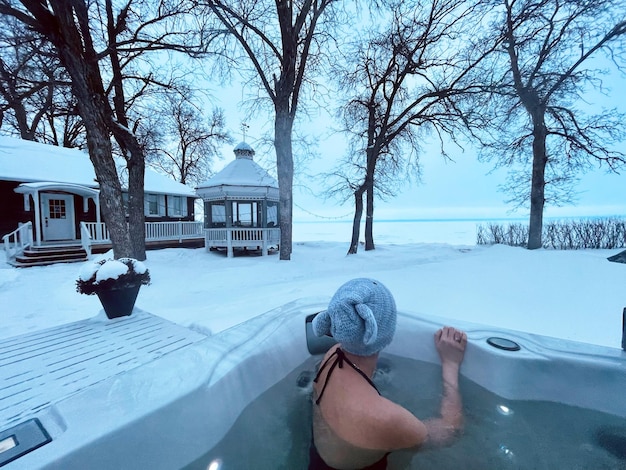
241 206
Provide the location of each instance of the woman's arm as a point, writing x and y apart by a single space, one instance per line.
398 428
450 344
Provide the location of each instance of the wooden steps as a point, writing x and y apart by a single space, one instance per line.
45 255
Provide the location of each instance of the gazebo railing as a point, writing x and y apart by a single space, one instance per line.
238 237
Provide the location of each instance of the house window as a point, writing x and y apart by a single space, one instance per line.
57 208
176 206
154 205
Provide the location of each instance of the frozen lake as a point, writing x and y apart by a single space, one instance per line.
452 231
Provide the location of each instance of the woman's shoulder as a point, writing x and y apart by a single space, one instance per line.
393 426
374 422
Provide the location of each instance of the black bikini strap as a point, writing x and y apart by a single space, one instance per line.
363 374
339 360
341 357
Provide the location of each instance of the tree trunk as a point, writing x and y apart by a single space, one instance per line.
372 158
538 182
356 223
136 213
284 165
369 217
99 145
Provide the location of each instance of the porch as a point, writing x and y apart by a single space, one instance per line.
21 250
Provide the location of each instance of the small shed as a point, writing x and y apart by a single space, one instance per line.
241 206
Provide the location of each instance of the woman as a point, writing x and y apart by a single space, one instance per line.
354 427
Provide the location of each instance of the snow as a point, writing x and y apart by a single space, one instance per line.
243 146
240 172
40 162
88 271
138 266
112 269
573 295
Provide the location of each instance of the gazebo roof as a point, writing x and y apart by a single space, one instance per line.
241 178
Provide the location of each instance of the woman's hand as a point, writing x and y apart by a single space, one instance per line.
450 344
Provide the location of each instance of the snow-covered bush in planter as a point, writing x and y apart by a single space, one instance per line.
110 274
116 282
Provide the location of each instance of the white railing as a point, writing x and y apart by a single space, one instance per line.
97 231
155 231
85 238
253 238
217 235
173 230
18 240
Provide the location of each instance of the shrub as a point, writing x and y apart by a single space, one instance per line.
599 233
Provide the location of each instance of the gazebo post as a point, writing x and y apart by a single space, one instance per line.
264 230
229 242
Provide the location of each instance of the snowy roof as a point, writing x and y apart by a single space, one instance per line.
26 161
240 178
243 146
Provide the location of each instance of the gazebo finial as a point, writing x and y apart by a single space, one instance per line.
244 128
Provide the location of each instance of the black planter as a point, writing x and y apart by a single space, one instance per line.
119 302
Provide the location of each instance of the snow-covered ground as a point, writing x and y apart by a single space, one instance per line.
576 295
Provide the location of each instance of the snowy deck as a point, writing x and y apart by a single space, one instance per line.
42 368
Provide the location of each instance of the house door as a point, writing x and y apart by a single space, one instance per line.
57 213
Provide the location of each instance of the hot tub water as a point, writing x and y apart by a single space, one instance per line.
274 431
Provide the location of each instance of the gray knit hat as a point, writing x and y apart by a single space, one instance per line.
361 316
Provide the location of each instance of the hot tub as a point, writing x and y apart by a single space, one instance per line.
181 409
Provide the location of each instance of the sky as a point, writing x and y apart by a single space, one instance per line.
459 188
572 295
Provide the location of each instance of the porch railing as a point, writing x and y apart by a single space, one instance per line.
97 232
173 230
85 238
18 240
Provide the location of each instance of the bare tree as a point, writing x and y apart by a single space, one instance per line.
75 29
188 142
538 102
282 39
403 82
34 98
